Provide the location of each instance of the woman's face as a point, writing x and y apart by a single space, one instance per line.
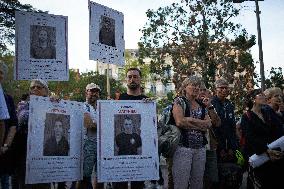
192 90
260 99
38 90
275 99
58 130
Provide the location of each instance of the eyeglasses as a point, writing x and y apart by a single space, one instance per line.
36 86
223 88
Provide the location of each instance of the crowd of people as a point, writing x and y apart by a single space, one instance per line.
212 140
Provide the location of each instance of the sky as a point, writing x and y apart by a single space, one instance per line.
271 20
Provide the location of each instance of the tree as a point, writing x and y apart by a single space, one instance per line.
195 34
132 62
12 87
275 78
7 21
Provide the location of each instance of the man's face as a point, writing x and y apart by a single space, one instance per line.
42 35
58 130
37 89
222 91
128 126
92 95
107 25
133 80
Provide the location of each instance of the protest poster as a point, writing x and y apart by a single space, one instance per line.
55 138
106 34
4 114
41 47
127 141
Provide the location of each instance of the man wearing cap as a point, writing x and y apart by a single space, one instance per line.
226 133
90 136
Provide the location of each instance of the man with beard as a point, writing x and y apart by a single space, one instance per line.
133 78
90 137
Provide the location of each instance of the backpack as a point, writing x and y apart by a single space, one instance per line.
168 133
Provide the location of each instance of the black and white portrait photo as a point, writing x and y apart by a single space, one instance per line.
127 134
43 42
56 135
107 31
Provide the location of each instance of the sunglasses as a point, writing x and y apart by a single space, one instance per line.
94 90
36 87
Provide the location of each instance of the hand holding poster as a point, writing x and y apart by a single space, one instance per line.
127 141
55 137
258 160
4 114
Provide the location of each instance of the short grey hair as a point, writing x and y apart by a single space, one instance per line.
270 92
191 80
41 82
220 82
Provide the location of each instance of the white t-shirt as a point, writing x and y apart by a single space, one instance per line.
88 134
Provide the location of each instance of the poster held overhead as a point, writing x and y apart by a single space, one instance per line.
55 141
41 47
106 35
127 141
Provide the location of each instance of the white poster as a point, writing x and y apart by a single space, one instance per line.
55 138
41 47
106 34
127 141
258 160
4 114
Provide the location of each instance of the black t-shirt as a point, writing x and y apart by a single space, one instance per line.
125 96
128 143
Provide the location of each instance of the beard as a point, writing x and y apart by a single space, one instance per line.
133 86
93 99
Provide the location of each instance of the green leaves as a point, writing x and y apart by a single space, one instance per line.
7 22
200 37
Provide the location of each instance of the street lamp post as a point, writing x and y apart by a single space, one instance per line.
260 51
